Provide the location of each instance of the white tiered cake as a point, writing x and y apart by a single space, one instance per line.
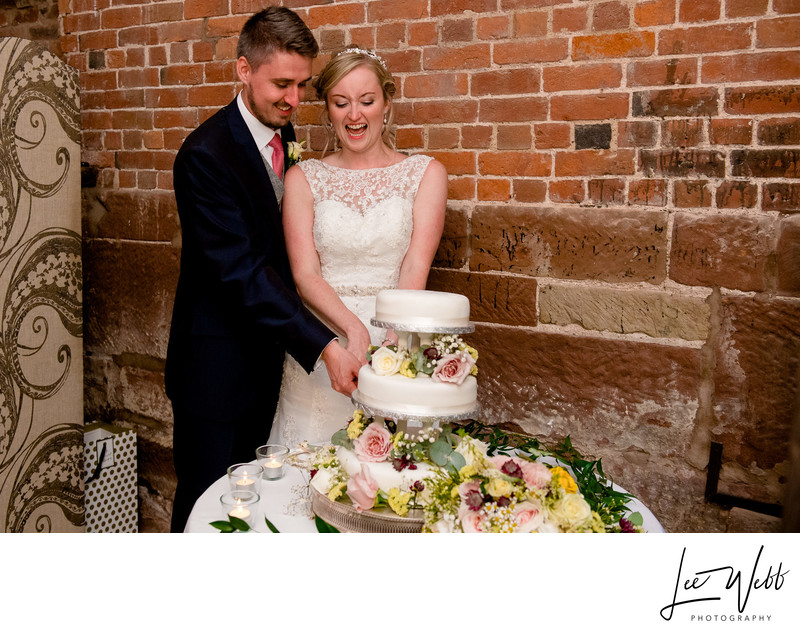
397 467
428 377
427 324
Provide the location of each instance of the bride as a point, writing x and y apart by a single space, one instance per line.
362 219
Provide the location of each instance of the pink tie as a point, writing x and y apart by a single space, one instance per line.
277 155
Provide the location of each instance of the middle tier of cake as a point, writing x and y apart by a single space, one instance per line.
421 397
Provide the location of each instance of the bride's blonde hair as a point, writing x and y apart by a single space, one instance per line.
343 63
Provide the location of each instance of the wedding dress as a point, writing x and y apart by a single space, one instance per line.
362 230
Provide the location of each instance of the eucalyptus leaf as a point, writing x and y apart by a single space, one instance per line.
457 460
440 453
636 519
341 439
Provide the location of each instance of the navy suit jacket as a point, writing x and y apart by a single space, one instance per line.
236 308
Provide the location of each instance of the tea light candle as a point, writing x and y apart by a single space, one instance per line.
272 469
246 484
241 512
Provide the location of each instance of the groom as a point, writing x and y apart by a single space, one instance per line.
236 309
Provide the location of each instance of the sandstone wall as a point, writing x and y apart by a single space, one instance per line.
624 215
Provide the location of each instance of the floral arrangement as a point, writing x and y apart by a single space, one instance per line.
447 359
294 151
470 490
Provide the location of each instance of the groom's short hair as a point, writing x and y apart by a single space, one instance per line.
275 29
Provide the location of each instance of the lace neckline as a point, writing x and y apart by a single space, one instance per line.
390 166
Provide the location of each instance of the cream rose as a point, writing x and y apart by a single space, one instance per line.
474 452
374 443
573 510
386 362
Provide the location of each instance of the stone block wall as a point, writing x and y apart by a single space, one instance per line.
624 215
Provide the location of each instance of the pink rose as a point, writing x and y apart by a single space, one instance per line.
374 444
470 520
362 489
453 368
528 516
535 474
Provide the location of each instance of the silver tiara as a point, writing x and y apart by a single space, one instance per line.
363 51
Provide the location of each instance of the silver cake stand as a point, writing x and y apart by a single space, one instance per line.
403 415
345 518
398 326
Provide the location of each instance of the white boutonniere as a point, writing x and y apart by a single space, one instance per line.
295 151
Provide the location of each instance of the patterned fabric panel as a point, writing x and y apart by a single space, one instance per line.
41 293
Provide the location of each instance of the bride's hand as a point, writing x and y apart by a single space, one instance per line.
358 343
390 338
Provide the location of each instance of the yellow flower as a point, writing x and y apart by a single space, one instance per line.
399 435
406 370
454 492
474 371
398 501
564 479
499 488
336 491
355 427
466 472
470 350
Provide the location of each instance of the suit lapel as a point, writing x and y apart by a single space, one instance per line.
252 156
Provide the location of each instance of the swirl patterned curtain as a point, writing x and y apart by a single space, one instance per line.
41 340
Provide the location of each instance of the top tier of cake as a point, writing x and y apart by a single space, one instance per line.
423 311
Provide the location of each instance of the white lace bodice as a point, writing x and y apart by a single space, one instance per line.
362 229
363 221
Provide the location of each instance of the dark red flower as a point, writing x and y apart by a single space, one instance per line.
431 353
503 501
313 473
418 486
512 469
626 525
474 500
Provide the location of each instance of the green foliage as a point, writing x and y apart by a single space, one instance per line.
270 525
341 439
595 487
443 454
234 524
323 526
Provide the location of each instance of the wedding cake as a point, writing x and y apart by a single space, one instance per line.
399 466
430 372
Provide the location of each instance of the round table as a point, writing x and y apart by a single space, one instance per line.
282 502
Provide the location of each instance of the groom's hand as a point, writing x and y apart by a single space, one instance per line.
342 367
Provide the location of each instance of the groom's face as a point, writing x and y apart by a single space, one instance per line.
273 90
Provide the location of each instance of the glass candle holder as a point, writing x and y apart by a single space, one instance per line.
241 504
272 458
245 477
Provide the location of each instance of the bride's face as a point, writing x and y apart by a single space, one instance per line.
356 107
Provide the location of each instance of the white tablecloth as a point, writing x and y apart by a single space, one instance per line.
282 502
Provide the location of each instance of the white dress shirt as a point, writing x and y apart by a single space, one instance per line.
260 132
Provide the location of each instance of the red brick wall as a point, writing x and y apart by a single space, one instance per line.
624 214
